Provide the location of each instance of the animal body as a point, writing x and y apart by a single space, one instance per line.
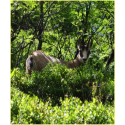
38 59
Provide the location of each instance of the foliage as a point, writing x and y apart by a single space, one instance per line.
30 110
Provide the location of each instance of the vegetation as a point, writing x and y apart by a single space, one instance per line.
57 94
26 110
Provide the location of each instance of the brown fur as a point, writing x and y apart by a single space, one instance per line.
41 60
75 63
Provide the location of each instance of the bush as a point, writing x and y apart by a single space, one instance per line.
43 97
27 109
57 81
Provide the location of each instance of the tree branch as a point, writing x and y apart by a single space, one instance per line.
107 10
49 7
57 12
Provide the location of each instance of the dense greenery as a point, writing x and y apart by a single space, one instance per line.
61 95
26 109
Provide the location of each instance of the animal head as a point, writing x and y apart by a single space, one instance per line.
83 50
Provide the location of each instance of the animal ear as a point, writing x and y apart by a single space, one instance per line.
78 45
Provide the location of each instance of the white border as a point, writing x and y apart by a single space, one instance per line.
5 62
119 62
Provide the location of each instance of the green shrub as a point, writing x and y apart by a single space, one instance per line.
30 110
57 81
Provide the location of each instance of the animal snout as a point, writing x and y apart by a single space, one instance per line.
84 60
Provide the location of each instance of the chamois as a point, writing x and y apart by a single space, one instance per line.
38 59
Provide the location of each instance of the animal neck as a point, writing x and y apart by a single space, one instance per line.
73 64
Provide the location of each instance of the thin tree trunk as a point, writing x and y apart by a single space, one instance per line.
40 25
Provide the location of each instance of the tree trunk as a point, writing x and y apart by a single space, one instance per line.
40 26
110 59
